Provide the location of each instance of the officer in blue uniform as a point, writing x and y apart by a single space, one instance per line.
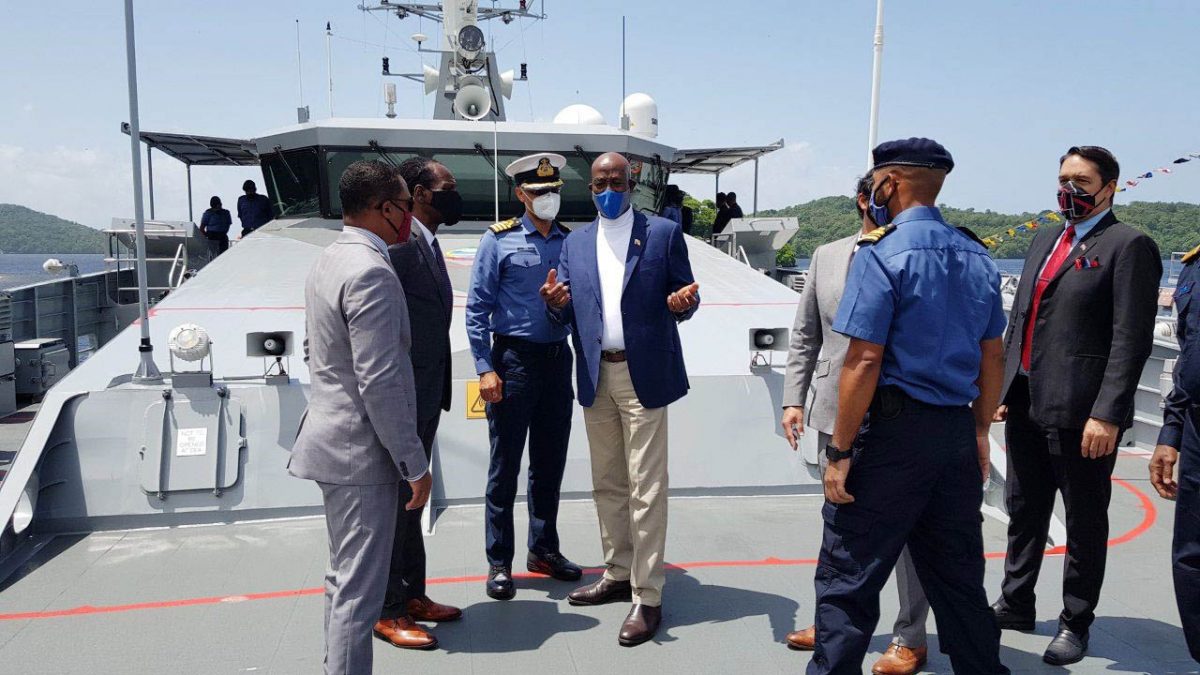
1180 435
909 453
524 368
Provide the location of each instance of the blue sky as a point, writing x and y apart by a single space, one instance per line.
1006 86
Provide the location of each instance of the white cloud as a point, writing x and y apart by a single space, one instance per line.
792 175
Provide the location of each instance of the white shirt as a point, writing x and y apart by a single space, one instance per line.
376 241
424 231
612 246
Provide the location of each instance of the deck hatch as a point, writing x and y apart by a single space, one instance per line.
192 441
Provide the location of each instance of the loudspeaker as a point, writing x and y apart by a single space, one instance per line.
473 101
431 79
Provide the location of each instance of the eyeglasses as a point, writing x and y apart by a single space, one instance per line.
542 191
396 202
615 184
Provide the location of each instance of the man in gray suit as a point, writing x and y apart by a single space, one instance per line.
430 298
815 356
358 436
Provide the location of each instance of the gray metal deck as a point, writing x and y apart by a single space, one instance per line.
246 598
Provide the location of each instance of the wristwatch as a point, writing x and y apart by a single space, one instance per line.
833 454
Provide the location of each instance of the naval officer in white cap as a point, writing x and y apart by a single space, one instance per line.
524 368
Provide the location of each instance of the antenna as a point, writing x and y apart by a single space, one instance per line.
876 76
329 63
624 112
301 110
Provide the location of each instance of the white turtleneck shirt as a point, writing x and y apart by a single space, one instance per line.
612 246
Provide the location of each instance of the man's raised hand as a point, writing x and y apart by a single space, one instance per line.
683 299
554 294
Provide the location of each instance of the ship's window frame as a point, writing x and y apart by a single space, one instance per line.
294 158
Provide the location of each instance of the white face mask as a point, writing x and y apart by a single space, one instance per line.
546 206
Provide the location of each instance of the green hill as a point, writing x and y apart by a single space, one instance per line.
24 230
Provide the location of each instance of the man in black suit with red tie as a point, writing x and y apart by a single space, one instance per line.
1080 331
421 267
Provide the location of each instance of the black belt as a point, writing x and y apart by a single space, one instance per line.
890 398
523 346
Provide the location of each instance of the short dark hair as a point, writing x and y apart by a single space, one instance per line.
1104 160
720 196
249 184
366 183
215 202
418 171
865 186
731 195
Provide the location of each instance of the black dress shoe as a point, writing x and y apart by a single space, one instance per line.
1066 648
602 592
553 565
1010 620
500 583
641 625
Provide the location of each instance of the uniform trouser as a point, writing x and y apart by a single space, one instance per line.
916 481
909 629
361 522
220 242
537 405
1041 462
628 445
406 576
1185 549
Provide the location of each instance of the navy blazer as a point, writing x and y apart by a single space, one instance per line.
655 266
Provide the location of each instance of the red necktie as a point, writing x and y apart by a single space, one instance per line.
1057 258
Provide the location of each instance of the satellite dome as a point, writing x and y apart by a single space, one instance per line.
643 114
579 114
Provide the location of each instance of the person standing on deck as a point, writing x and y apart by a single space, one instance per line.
910 448
1179 442
623 285
1080 331
815 357
254 210
524 368
214 224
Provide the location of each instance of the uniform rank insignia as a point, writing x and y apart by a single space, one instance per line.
875 235
974 237
1191 255
544 170
504 226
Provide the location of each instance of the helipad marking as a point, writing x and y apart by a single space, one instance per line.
1149 516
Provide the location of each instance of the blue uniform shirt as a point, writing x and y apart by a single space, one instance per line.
254 211
930 294
510 268
1186 392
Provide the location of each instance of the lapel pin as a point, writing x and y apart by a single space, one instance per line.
637 242
1082 247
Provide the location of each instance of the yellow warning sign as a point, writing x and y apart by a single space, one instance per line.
475 405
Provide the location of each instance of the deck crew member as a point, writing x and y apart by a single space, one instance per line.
815 357
254 210
918 388
524 367
421 268
214 224
358 435
623 285
1180 435
1081 329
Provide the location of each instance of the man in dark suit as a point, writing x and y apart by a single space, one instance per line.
1080 330
430 297
631 275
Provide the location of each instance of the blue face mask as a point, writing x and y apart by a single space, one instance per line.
611 204
878 213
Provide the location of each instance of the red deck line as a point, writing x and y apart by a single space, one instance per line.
1149 515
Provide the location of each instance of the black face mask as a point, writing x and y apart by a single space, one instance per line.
448 204
1074 202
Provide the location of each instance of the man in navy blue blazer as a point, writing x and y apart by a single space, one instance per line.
623 284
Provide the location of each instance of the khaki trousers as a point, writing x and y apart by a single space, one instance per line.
629 479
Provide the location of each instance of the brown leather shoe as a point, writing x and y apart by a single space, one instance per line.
803 640
899 660
424 609
405 634
602 592
641 625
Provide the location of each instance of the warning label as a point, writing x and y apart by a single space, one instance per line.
476 408
191 442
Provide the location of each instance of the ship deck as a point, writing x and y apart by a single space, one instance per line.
246 597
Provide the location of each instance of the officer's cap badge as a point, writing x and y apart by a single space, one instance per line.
544 170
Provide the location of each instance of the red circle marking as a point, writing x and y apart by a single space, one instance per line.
1149 515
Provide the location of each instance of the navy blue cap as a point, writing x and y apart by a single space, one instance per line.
923 152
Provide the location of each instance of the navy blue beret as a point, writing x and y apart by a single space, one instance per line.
922 152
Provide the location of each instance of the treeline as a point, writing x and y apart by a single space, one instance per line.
24 230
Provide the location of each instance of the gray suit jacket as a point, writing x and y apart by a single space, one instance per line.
815 351
360 427
419 274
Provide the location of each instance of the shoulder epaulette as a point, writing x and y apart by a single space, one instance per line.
505 226
974 237
1191 255
875 235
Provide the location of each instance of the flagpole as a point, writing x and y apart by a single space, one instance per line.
876 76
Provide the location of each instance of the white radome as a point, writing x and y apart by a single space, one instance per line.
189 342
579 114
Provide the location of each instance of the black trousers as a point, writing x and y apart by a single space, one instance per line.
1040 463
915 480
1185 548
220 241
406 578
